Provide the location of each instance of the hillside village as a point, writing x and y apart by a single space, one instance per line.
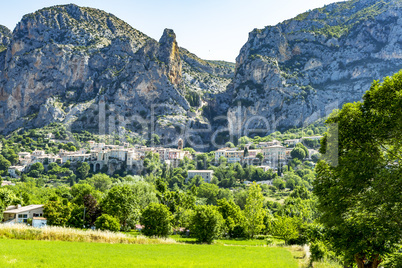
109 158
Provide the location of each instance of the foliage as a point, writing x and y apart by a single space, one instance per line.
233 216
156 219
122 203
206 223
92 209
361 169
284 228
317 250
254 212
4 165
101 182
107 222
83 170
298 153
57 212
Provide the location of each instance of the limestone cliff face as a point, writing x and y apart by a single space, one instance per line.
169 54
299 70
61 62
5 35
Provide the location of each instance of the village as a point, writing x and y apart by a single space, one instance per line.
264 155
109 158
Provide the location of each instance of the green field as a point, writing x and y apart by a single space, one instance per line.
24 253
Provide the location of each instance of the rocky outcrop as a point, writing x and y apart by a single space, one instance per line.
90 69
299 70
5 35
87 68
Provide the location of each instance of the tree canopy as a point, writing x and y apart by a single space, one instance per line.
359 181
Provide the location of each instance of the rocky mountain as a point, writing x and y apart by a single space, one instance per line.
93 71
293 73
88 68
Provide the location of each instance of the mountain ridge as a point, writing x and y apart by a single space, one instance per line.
66 63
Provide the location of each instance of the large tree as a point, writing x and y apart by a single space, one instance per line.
206 223
57 212
4 165
122 203
359 181
156 219
254 212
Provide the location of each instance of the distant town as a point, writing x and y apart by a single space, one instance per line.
265 155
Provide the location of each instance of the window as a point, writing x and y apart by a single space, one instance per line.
22 216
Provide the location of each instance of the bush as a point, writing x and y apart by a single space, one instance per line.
156 219
298 153
206 224
317 250
107 222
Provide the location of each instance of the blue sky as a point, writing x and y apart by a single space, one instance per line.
211 29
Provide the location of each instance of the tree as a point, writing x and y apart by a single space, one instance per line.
156 219
121 203
301 145
233 216
107 222
245 153
254 212
92 209
315 157
78 191
298 153
260 157
284 228
208 191
358 178
36 170
4 165
229 144
101 182
7 197
57 212
279 183
206 223
83 170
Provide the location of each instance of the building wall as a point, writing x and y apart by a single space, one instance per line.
207 176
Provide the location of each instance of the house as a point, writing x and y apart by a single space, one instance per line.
233 155
312 138
265 168
268 143
205 174
18 214
219 153
291 142
7 183
274 154
267 182
14 170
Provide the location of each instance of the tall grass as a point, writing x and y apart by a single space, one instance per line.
51 233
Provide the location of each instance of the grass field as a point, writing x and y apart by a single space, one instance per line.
30 253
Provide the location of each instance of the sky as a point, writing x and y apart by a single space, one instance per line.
211 29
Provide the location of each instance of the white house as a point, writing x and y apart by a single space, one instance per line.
18 214
205 174
291 142
13 171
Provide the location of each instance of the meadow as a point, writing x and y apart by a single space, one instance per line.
32 253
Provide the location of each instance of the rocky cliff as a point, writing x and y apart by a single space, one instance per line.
293 73
88 68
